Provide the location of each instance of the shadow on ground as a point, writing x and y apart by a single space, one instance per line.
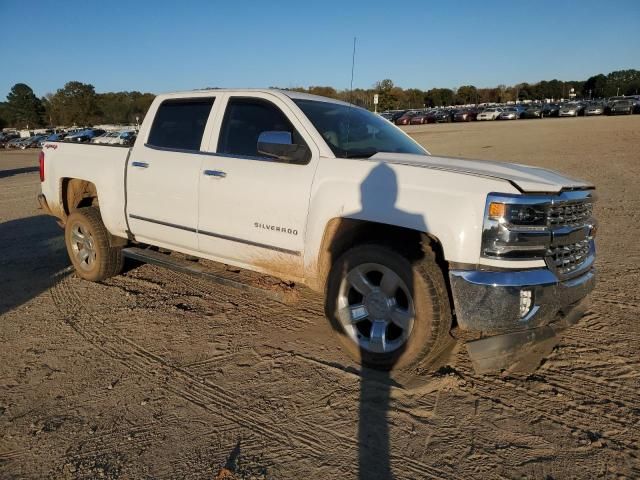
32 254
17 171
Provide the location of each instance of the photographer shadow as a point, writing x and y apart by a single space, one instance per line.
379 195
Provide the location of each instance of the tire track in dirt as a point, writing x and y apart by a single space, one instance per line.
200 391
572 416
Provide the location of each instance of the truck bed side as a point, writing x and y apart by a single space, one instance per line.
102 165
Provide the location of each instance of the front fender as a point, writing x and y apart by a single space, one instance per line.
446 205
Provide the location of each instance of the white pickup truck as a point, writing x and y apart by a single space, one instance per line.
406 247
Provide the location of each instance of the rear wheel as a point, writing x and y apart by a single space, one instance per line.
388 313
87 241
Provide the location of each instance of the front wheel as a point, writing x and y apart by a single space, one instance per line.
388 313
87 241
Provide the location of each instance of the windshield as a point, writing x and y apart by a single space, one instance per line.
352 132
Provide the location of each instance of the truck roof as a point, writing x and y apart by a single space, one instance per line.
288 93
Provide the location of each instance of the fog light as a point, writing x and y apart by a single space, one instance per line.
526 302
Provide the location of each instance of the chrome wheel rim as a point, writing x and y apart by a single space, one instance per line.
375 308
83 246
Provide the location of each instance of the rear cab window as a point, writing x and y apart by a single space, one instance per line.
179 124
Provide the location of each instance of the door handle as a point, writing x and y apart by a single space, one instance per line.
140 164
215 173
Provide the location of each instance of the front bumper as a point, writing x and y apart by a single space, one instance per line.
489 303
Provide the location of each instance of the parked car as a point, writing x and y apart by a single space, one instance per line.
550 110
13 143
122 137
532 111
465 115
387 116
595 108
420 119
571 110
32 142
396 115
491 113
56 137
104 138
7 137
509 113
406 118
84 135
440 116
622 107
498 245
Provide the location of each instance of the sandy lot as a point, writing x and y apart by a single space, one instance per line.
155 374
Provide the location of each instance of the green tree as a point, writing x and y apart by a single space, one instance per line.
414 98
4 115
595 86
439 97
387 95
467 94
75 103
623 82
23 107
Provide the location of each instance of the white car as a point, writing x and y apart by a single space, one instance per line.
400 243
489 113
105 138
122 137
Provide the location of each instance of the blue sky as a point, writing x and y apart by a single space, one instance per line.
179 45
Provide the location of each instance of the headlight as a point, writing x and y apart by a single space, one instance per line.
515 227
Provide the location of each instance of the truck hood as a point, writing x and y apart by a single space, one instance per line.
525 178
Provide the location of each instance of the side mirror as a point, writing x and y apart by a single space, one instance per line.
280 145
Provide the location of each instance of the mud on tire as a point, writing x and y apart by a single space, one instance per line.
424 282
87 241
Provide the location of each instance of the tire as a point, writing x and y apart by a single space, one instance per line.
87 241
417 347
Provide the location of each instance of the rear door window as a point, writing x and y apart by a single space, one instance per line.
179 124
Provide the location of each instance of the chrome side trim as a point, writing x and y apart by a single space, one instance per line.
217 235
215 173
164 224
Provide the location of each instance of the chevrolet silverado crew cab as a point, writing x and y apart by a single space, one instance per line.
408 248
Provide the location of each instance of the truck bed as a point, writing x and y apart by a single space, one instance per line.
103 165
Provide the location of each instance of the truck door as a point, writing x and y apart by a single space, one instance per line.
253 208
163 173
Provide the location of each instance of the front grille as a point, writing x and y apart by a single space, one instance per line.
569 258
564 257
569 214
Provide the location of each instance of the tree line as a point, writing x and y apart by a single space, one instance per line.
390 96
78 103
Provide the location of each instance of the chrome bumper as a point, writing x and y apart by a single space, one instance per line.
490 303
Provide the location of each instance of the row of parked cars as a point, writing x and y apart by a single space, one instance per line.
81 135
613 106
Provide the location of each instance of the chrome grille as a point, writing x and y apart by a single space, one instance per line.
568 258
569 213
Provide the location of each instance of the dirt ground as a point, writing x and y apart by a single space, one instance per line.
156 374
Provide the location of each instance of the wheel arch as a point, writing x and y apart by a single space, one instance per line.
341 233
78 193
